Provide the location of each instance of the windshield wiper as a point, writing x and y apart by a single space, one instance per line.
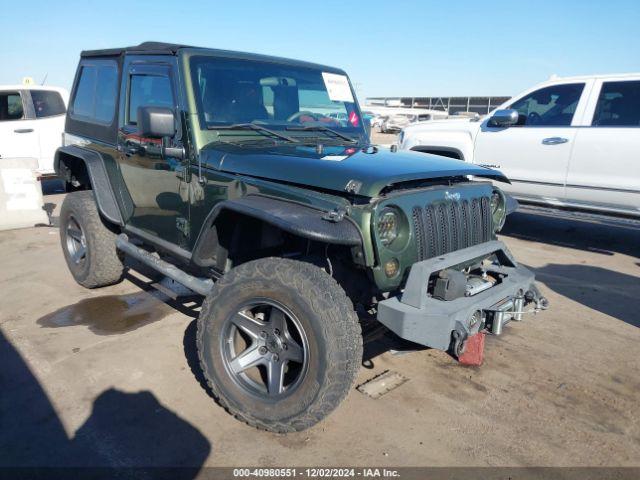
254 127
321 128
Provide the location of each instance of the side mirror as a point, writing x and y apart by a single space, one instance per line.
160 122
156 122
504 118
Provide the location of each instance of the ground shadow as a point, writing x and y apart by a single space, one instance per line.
126 435
377 340
612 293
568 230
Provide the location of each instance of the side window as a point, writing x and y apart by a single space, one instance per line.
550 106
618 105
148 90
47 103
10 106
96 91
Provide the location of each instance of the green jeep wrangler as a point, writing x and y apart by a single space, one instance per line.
251 180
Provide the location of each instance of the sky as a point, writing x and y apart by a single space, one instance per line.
388 48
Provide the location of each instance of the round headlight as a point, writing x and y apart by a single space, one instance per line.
498 209
387 226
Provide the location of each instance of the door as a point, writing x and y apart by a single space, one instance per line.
49 111
534 154
604 171
18 135
158 196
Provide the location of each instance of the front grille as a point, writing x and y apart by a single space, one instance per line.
449 226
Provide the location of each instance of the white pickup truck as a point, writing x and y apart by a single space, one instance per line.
31 123
568 142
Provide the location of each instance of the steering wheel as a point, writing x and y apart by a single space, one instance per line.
533 118
297 115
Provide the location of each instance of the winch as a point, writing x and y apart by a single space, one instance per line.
451 284
478 283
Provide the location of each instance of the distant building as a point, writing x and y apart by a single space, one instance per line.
450 105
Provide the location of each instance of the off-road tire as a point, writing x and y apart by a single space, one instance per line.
103 264
331 326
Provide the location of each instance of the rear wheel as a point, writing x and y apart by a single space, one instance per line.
279 343
88 244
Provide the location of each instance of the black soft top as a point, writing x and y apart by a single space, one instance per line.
160 48
145 48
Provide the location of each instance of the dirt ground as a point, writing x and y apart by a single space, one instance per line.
110 377
383 138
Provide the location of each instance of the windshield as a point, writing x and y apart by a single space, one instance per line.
303 102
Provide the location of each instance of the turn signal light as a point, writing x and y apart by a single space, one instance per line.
391 267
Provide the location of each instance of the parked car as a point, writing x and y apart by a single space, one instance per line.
568 142
287 221
395 123
339 116
31 123
377 120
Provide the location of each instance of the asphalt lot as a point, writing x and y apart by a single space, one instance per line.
110 376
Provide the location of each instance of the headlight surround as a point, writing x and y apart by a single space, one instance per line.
498 209
387 225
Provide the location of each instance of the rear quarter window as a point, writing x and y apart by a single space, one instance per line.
10 106
618 105
47 103
96 92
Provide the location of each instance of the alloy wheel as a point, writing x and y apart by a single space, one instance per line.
76 241
265 349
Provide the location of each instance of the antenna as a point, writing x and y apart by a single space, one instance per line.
45 78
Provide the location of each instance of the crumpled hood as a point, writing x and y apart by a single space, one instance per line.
370 169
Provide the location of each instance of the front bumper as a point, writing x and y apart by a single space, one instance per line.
417 316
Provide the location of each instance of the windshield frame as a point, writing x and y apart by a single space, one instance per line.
207 134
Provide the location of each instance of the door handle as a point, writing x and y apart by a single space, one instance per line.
554 141
23 130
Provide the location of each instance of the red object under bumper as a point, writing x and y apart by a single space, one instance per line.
474 350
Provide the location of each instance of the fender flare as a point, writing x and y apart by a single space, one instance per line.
100 184
297 219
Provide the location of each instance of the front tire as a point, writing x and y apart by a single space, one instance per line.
279 343
88 244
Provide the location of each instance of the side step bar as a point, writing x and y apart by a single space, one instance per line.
199 285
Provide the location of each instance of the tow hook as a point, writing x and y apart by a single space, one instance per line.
459 337
541 302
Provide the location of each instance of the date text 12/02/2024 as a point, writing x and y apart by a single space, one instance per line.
315 473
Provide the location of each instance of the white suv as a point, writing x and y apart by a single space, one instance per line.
31 123
568 142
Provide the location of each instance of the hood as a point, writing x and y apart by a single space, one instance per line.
449 124
368 170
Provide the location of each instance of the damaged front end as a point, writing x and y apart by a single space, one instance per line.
452 297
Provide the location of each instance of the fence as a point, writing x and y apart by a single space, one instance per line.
451 105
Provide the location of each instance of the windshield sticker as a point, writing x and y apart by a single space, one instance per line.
337 87
353 119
